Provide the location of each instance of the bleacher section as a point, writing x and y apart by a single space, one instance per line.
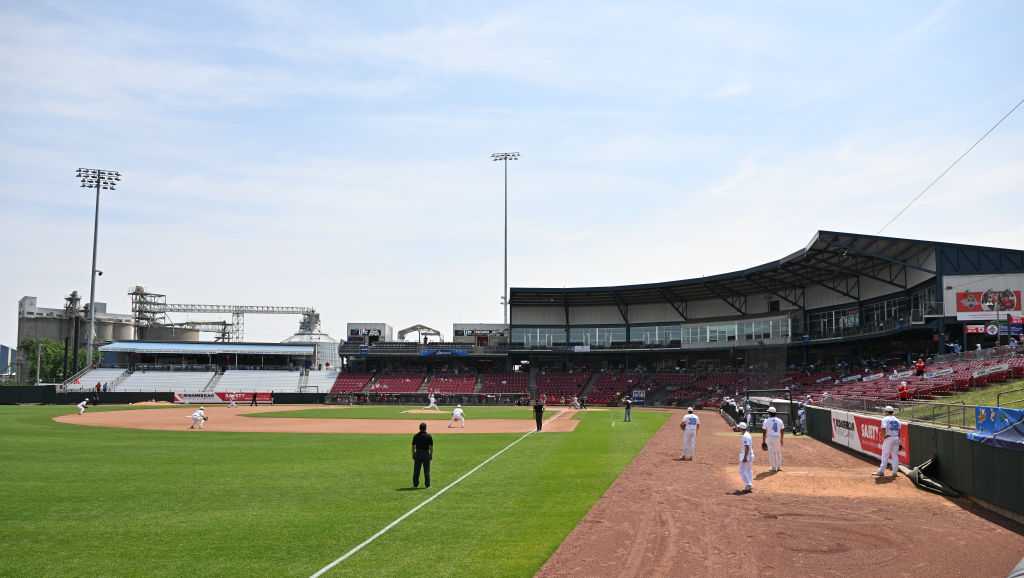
259 381
611 386
399 383
179 381
451 383
514 382
101 375
351 382
323 380
558 384
940 379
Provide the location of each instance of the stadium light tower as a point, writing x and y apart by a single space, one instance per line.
505 157
98 179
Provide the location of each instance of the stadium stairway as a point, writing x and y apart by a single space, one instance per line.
589 385
425 386
213 382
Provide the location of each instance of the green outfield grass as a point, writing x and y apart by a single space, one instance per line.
398 412
945 410
82 501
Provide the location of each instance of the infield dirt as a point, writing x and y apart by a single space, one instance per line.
226 419
822 515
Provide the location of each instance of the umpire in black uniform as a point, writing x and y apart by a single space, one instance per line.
422 453
538 413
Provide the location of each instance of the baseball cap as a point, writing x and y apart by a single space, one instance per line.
771 409
689 409
742 425
889 409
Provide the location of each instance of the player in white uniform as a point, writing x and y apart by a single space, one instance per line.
773 431
891 444
457 416
198 419
433 402
746 459
82 405
690 425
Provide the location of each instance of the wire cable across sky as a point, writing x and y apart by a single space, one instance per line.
950 167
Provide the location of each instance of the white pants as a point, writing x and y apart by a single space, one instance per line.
775 452
81 410
197 422
689 442
747 473
462 421
890 455
432 406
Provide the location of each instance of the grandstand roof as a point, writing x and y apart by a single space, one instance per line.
215 348
829 255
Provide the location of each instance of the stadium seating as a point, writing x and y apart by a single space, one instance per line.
451 383
399 383
322 380
514 382
610 386
259 380
101 375
351 382
179 381
559 384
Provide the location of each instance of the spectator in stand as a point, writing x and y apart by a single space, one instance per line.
904 391
1013 344
919 367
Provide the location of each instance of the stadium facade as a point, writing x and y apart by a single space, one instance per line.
842 294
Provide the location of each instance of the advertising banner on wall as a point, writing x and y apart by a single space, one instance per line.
210 397
864 434
986 305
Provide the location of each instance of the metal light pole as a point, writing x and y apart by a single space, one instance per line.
98 179
505 157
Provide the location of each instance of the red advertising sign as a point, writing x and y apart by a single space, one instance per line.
974 329
984 305
865 434
261 397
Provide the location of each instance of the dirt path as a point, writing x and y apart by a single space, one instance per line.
223 418
823 515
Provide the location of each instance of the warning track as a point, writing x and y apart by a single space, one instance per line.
823 515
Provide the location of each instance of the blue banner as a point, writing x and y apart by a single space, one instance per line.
999 426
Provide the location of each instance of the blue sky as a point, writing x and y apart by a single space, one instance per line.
337 155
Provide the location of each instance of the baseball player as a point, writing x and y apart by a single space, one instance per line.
690 426
457 416
198 419
891 444
82 405
231 402
629 409
772 432
746 459
433 402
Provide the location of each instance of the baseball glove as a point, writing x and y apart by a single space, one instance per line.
764 446
205 418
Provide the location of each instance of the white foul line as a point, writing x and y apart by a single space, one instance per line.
398 520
